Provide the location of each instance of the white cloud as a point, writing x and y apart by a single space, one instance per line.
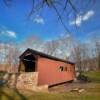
39 20
88 15
9 33
79 19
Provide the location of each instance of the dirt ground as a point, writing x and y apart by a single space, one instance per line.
67 87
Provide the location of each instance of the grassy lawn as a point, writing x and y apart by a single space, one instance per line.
91 93
94 76
10 94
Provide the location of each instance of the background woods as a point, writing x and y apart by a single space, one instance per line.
85 55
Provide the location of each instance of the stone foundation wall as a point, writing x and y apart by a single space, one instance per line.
27 81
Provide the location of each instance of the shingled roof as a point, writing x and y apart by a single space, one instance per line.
44 55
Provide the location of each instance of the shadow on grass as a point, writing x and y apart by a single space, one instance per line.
5 95
11 95
20 95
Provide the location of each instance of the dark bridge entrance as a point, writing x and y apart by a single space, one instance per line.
28 64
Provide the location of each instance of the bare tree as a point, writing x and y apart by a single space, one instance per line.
95 41
50 47
12 56
98 53
67 45
33 42
78 58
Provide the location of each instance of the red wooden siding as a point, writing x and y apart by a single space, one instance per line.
49 71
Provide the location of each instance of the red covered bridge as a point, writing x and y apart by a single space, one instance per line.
51 70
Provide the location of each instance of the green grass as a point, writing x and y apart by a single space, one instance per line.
93 75
91 93
10 94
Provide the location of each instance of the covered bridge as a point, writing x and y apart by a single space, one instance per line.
51 70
